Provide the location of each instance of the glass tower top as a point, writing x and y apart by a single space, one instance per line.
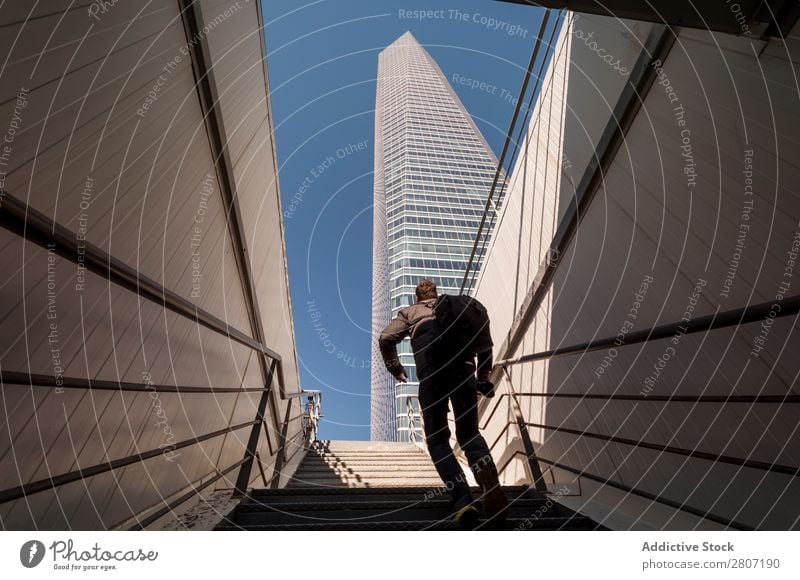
433 173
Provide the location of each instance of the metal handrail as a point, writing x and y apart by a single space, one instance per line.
656 47
33 226
311 419
790 470
640 493
643 75
499 171
311 414
82 473
412 423
726 399
37 228
734 317
534 470
39 380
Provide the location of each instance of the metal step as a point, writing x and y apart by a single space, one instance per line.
364 475
350 468
324 495
412 491
512 524
370 455
381 495
371 469
355 483
381 486
354 512
314 460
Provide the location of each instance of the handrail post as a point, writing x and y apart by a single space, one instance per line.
311 416
280 456
250 452
412 428
534 470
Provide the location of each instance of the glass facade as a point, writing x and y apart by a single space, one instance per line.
433 173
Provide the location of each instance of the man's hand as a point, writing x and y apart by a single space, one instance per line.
485 388
397 370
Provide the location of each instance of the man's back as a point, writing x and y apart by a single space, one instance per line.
441 382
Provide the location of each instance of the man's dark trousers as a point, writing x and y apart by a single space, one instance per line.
454 383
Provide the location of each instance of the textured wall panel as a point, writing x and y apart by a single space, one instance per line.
671 216
112 141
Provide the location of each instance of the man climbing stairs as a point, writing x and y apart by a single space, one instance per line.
354 485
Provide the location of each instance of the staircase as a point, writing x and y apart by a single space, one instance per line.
354 485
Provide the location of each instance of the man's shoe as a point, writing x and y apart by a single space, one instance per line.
464 512
495 503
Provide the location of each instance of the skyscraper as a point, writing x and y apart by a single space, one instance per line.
433 172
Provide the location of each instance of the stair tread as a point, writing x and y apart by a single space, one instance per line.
366 472
373 483
433 524
380 486
251 504
362 454
284 491
399 462
382 465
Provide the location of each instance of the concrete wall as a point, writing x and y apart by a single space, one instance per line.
698 213
108 138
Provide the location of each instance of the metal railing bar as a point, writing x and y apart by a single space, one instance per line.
494 409
298 449
499 171
748 399
243 479
260 468
209 99
196 489
206 88
766 399
714 457
35 227
280 457
534 470
39 380
501 467
501 433
657 46
59 480
647 495
735 317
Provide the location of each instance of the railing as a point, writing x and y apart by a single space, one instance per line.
656 48
311 415
749 314
412 423
37 228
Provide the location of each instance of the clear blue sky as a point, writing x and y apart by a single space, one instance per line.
322 59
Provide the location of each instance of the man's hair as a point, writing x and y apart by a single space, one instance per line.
425 289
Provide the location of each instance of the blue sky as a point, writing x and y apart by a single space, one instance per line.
322 59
